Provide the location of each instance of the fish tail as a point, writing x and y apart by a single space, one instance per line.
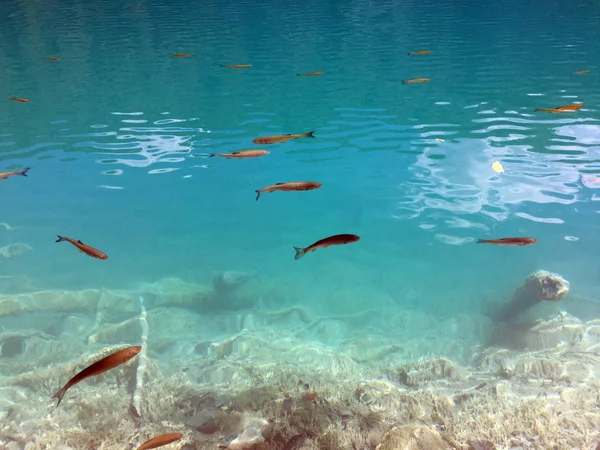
403 82
59 396
299 252
60 238
309 134
542 109
258 192
24 171
482 241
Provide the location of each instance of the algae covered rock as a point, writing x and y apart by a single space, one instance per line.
412 437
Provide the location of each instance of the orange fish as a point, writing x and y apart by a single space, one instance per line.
109 362
90 251
5 175
239 66
312 74
265 140
241 154
416 80
582 72
161 440
561 109
338 239
513 242
183 55
420 52
19 99
51 58
288 187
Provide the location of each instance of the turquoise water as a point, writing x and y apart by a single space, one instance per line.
111 129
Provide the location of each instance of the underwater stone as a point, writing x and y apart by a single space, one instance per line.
250 437
538 287
540 335
11 347
16 249
412 437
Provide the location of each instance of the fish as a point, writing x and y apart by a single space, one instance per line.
420 52
582 72
416 80
6 175
289 187
19 99
512 242
161 440
183 55
338 239
51 58
239 66
311 74
105 364
265 140
241 154
90 251
560 109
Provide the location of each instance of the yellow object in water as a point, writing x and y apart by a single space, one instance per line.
438 139
498 167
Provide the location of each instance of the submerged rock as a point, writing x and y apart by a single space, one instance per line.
11 250
538 287
412 437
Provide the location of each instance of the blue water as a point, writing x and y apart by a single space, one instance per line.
111 128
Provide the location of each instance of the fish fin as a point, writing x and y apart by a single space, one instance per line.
543 109
24 171
59 395
60 238
310 134
481 241
258 192
235 153
403 82
278 184
300 252
79 242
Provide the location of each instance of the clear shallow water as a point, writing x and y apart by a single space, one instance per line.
110 130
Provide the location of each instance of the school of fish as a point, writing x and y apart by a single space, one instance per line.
124 355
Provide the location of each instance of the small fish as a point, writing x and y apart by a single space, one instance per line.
338 239
105 364
90 251
289 187
416 80
161 440
420 52
241 154
312 74
513 242
582 72
239 66
23 173
183 55
561 109
51 58
497 167
265 140
19 99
